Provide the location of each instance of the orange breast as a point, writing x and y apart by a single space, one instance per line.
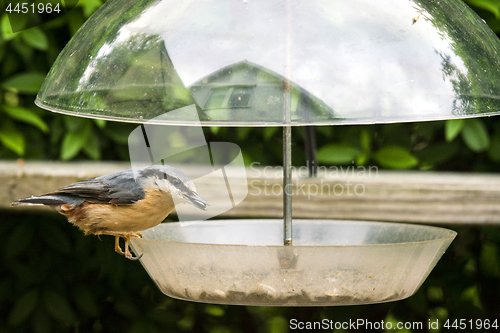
142 215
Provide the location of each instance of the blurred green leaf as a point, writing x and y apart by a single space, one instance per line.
269 132
472 294
12 139
73 142
101 123
27 116
362 159
23 308
10 65
243 132
435 293
25 51
278 325
11 98
494 151
6 29
394 157
437 153
58 307
214 310
35 37
74 20
490 260
28 82
337 153
187 322
71 145
452 128
475 135
394 322
493 6
89 6
73 124
365 140
93 147
323 130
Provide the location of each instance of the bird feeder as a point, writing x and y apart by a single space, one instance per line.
281 63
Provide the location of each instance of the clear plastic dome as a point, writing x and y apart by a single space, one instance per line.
278 62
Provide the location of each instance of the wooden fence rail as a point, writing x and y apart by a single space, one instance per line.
420 197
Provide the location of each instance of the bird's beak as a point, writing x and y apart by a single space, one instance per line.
194 199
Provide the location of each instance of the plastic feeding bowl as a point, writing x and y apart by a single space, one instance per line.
280 63
330 263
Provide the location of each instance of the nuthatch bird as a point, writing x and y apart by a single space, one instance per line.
119 204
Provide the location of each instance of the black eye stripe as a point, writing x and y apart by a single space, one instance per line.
162 175
173 180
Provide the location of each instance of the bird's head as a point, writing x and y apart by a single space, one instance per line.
172 181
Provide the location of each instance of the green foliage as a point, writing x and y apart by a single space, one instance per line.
394 157
27 83
27 116
453 128
26 130
493 6
338 153
79 132
489 10
476 135
35 38
11 138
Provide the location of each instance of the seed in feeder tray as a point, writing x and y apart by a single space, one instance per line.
289 287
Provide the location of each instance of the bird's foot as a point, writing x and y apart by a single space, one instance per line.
126 236
127 253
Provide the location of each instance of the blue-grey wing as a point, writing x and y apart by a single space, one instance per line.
117 188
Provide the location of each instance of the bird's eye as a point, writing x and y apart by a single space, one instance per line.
175 181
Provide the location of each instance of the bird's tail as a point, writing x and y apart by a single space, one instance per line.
49 200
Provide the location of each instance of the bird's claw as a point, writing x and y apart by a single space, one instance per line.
129 255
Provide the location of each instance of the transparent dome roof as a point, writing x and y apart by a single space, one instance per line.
277 62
